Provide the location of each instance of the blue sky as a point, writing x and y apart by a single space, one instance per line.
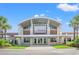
15 13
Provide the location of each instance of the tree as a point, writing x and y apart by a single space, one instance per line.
3 20
6 27
75 24
76 18
72 24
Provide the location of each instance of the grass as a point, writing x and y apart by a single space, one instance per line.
17 47
61 46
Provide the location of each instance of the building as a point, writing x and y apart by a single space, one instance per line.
41 30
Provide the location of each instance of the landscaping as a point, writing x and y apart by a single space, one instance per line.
17 47
4 43
61 46
74 43
7 45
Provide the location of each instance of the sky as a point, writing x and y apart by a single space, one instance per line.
17 12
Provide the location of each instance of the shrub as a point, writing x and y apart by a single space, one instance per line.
77 42
61 46
72 44
4 43
7 45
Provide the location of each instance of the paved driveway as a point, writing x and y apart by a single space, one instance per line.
39 51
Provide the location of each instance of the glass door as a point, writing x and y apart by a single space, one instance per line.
45 41
39 40
34 41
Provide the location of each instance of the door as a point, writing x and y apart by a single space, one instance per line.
45 41
40 41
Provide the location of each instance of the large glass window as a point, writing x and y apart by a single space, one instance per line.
53 40
26 40
53 27
27 27
40 29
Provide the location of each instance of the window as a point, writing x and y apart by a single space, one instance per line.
53 40
34 40
26 40
68 39
40 29
53 27
27 27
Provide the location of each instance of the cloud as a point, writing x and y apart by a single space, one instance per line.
67 7
36 15
42 14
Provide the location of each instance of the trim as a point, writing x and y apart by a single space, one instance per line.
43 35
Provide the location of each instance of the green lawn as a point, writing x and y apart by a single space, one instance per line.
61 46
17 47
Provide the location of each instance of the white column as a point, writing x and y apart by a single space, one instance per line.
62 40
20 32
48 28
31 29
42 40
31 41
19 41
58 39
36 40
48 41
66 39
58 30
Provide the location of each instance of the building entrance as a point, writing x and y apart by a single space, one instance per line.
39 41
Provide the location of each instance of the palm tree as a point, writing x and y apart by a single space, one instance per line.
3 20
6 27
76 18
72 24
75 24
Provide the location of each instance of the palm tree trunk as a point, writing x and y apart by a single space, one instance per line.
5 33
74 34
77 32
2 34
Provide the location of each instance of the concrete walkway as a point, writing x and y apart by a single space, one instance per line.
46 50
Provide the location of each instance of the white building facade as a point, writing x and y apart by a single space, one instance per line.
40 31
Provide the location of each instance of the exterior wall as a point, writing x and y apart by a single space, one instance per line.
20 30
48 28
31 29
53 31
27 32
30 32
58 30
